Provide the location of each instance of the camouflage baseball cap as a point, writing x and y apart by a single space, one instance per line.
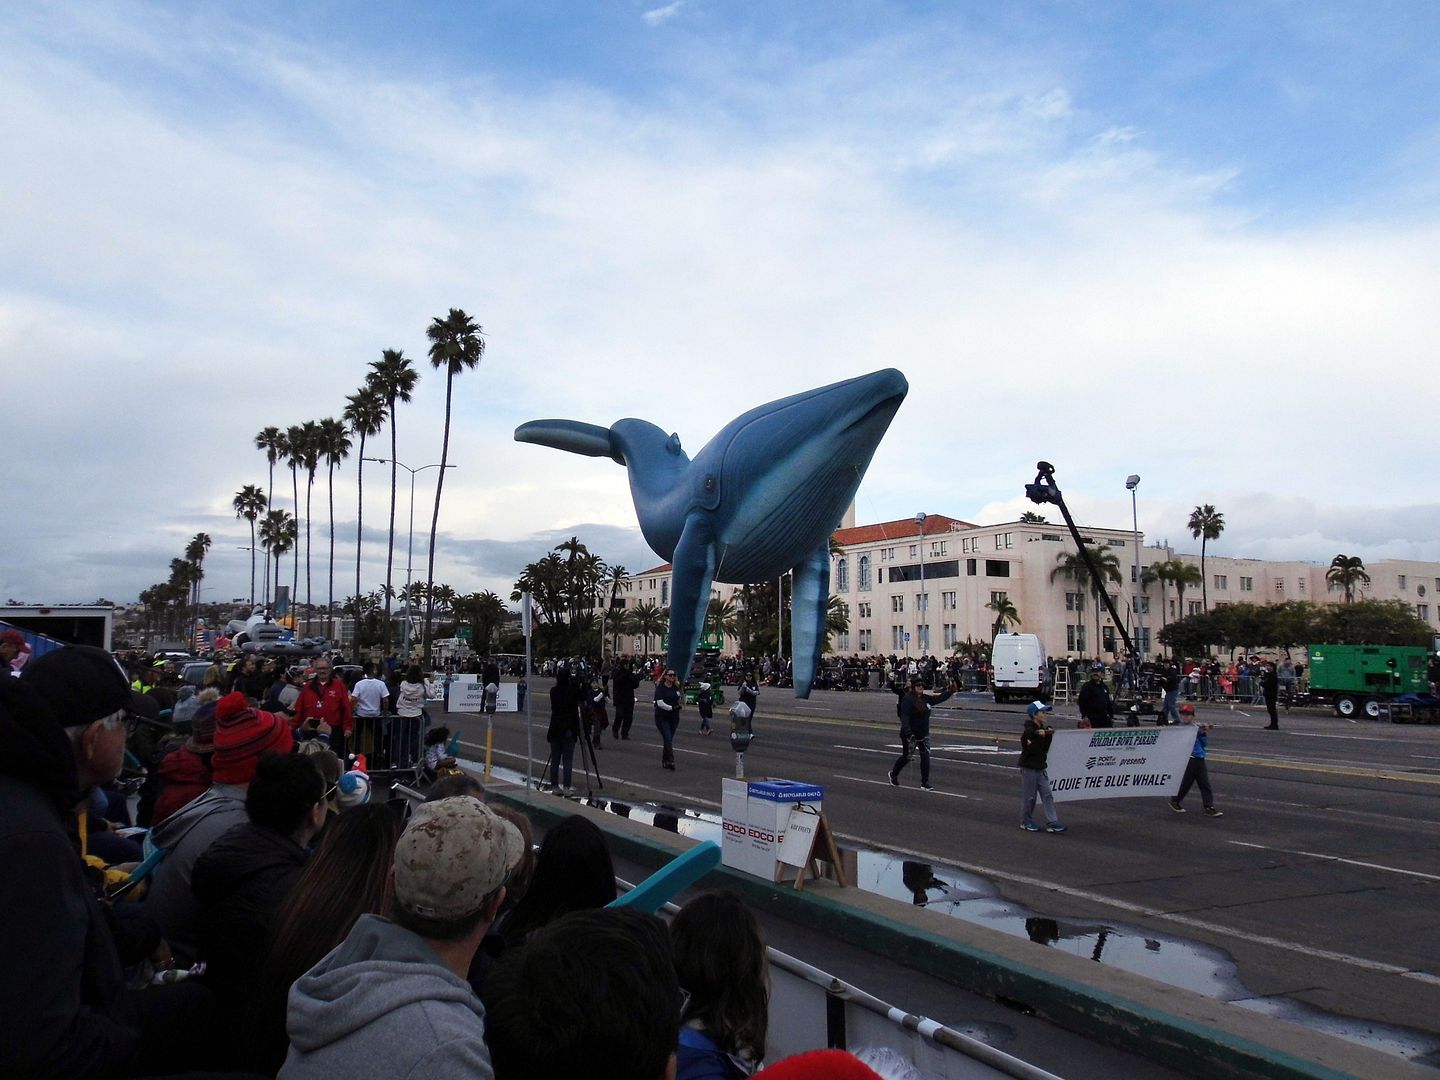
453 854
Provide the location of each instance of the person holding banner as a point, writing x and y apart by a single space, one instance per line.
1034 760
1195 770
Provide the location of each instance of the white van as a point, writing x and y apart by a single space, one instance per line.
1019 667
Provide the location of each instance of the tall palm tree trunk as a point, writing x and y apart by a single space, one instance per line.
295 573
269 505
359 515
330 602
1204 593
309 606
390 548
435 517
252 562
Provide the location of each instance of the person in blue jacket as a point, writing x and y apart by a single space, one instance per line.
1195 769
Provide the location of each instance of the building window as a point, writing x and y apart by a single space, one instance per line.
971 544
866 641
951 635
897 605
1402 581
842 575
863 573
924 642
969 567
914 550
844 643
922 602
997 568
997 596
1194 606
1247 584
1004 540
1423 610
1050 536
939 547
948 601
1222 581
1074 601
1279 586
1107 639
1142 605
1075 639
664 592
862 610
1300 584
897 639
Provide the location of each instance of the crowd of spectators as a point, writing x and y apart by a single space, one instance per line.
277 922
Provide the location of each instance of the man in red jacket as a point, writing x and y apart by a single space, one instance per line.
326 700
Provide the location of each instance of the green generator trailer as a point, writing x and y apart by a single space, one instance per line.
1361 678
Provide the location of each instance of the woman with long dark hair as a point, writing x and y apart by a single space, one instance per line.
719 955
573 872
347 877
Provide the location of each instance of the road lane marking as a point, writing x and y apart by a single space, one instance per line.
1334 770
883 783
1339 859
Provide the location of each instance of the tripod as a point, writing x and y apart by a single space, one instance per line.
588 765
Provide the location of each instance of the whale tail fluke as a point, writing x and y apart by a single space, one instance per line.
572 435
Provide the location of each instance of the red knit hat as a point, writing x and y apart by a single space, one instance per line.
242 734
819 1065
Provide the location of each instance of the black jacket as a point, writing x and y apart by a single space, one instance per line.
1095 704
564 713
240 881
64 1010
1035 746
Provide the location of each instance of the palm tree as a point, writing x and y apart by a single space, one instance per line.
295 457
1005 613
1206 524
617 621
484 612
310 458
1345 572
277 536
272 441
334 446
723 616
195 553
456 344
393 377
1179 574
1071 564
365 413
1031 517
647 619
249 501
837 619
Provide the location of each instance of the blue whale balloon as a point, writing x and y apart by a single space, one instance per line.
761 498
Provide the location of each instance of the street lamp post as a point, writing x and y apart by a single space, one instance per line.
921 607
1132 482
410 550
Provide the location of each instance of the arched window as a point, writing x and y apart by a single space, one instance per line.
864 574
842 575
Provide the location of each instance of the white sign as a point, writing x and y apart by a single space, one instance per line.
799 834
1118 763
467 694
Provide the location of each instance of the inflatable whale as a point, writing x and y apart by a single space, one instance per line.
761 499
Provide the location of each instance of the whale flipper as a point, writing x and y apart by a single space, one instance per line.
693 570
809 599
572 435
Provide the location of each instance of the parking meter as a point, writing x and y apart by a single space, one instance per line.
740 735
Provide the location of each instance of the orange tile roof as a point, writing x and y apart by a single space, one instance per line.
898 530
663 568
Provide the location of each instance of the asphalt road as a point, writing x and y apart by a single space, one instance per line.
1318 885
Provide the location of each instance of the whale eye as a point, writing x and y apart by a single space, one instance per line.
673 443
710 486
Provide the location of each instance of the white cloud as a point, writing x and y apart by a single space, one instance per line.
656 16
186 273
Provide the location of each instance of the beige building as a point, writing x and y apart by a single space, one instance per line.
914 589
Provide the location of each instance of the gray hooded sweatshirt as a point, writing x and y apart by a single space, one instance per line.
383 1004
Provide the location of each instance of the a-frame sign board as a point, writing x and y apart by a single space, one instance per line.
808 841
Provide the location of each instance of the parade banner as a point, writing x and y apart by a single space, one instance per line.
468 695
1118 763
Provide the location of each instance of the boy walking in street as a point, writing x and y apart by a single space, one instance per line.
1195 771
1034 760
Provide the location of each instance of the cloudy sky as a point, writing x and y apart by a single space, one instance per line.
1196 241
